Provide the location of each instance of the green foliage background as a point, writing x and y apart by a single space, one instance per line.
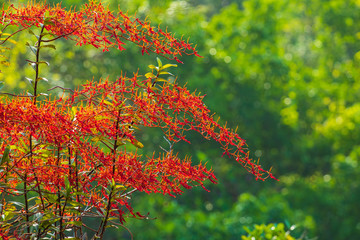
285 72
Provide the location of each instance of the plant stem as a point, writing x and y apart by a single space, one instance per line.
77 190
61 231
26 204
116 141
30 137
37 62
106 218
108 206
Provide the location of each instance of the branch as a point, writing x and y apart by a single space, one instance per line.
13 34
69 89
14 95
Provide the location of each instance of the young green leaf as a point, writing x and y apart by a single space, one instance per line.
159 62
49 46
149 75
33 65
44 62
161 80
137 144
29 79
161 73
169 65
5 156
42 78
48 21
108 103
32 48
32 33
67 186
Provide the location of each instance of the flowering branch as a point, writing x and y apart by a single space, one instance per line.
54 149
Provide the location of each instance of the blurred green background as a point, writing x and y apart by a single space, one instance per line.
286 72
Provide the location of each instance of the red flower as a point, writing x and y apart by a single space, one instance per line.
96 25
69 151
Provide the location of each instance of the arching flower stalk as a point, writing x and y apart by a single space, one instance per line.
67 157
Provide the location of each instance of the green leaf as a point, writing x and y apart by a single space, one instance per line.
8 214
32 48
30 80
120 188
169 65
32 33
33 198
33 65
42 78
46 33
73 111
97 139
49 46
5 157
51 221
102 117
18 204
161 80
159 62
76 223
137 144
48 21
150 75
79 193
113 182
44 62
67 186
51 198
76 204
1 84
108 103
120 143
161 73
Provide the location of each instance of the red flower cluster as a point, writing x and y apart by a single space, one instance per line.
71 151
96 25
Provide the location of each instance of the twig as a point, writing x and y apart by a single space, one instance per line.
14 95
69 89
